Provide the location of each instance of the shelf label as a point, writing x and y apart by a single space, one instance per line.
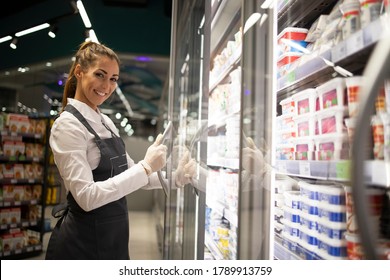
7 204
18 251
29 249
355 42
343 170
291 77
14 181
339 52
304 168
282 167
18 203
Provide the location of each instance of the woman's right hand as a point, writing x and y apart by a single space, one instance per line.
156 155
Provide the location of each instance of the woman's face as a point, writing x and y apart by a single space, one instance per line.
96 84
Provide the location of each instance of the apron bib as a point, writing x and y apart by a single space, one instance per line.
103 233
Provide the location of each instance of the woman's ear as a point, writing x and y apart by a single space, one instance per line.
77 71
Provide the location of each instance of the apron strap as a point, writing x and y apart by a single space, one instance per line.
71 109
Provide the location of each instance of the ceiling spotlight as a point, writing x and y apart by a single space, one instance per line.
53 31
13 43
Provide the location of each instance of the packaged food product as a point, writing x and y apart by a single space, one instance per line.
369 11
378 137
354 85
351 17
332 94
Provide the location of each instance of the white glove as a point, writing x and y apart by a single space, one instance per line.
253 159
156 156
185 171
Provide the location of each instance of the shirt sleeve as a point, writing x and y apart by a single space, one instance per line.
69 144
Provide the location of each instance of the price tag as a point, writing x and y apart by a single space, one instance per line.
7 203
29 249
355 42
18 251
291 77
31 181
18 203
25 224
304 168
14 181
343 170
339 52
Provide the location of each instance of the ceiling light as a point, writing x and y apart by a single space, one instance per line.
5 39
53 31
32 29
92 36
83 14
13 43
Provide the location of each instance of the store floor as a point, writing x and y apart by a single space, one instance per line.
143 237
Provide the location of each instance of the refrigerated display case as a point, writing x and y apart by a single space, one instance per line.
323 53
222 213
263 94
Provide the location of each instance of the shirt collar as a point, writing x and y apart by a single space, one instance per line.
87 112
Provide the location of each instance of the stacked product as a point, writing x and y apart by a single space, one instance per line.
314 220
288 54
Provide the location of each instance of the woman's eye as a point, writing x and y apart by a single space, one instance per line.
99 75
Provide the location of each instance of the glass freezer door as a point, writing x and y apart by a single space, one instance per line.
183 217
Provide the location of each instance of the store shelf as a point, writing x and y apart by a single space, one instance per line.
283 252
377 172
19 203
26 135
224 211
301 13
22 253
230 163
232 62
345 54
22 224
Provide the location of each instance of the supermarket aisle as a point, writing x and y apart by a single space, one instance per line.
143 237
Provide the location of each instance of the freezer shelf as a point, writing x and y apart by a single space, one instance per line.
317 70
377 172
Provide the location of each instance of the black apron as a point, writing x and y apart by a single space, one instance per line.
103 233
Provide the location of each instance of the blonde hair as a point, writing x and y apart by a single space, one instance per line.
86 56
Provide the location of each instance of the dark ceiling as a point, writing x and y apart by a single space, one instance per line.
138 30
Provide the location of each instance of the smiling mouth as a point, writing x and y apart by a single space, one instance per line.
100 93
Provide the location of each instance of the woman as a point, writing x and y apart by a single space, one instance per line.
92 160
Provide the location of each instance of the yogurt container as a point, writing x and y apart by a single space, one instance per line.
369 11
375 200
353 85
351 17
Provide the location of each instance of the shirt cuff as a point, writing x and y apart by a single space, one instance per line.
146 166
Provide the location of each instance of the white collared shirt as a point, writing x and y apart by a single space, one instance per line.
76 155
